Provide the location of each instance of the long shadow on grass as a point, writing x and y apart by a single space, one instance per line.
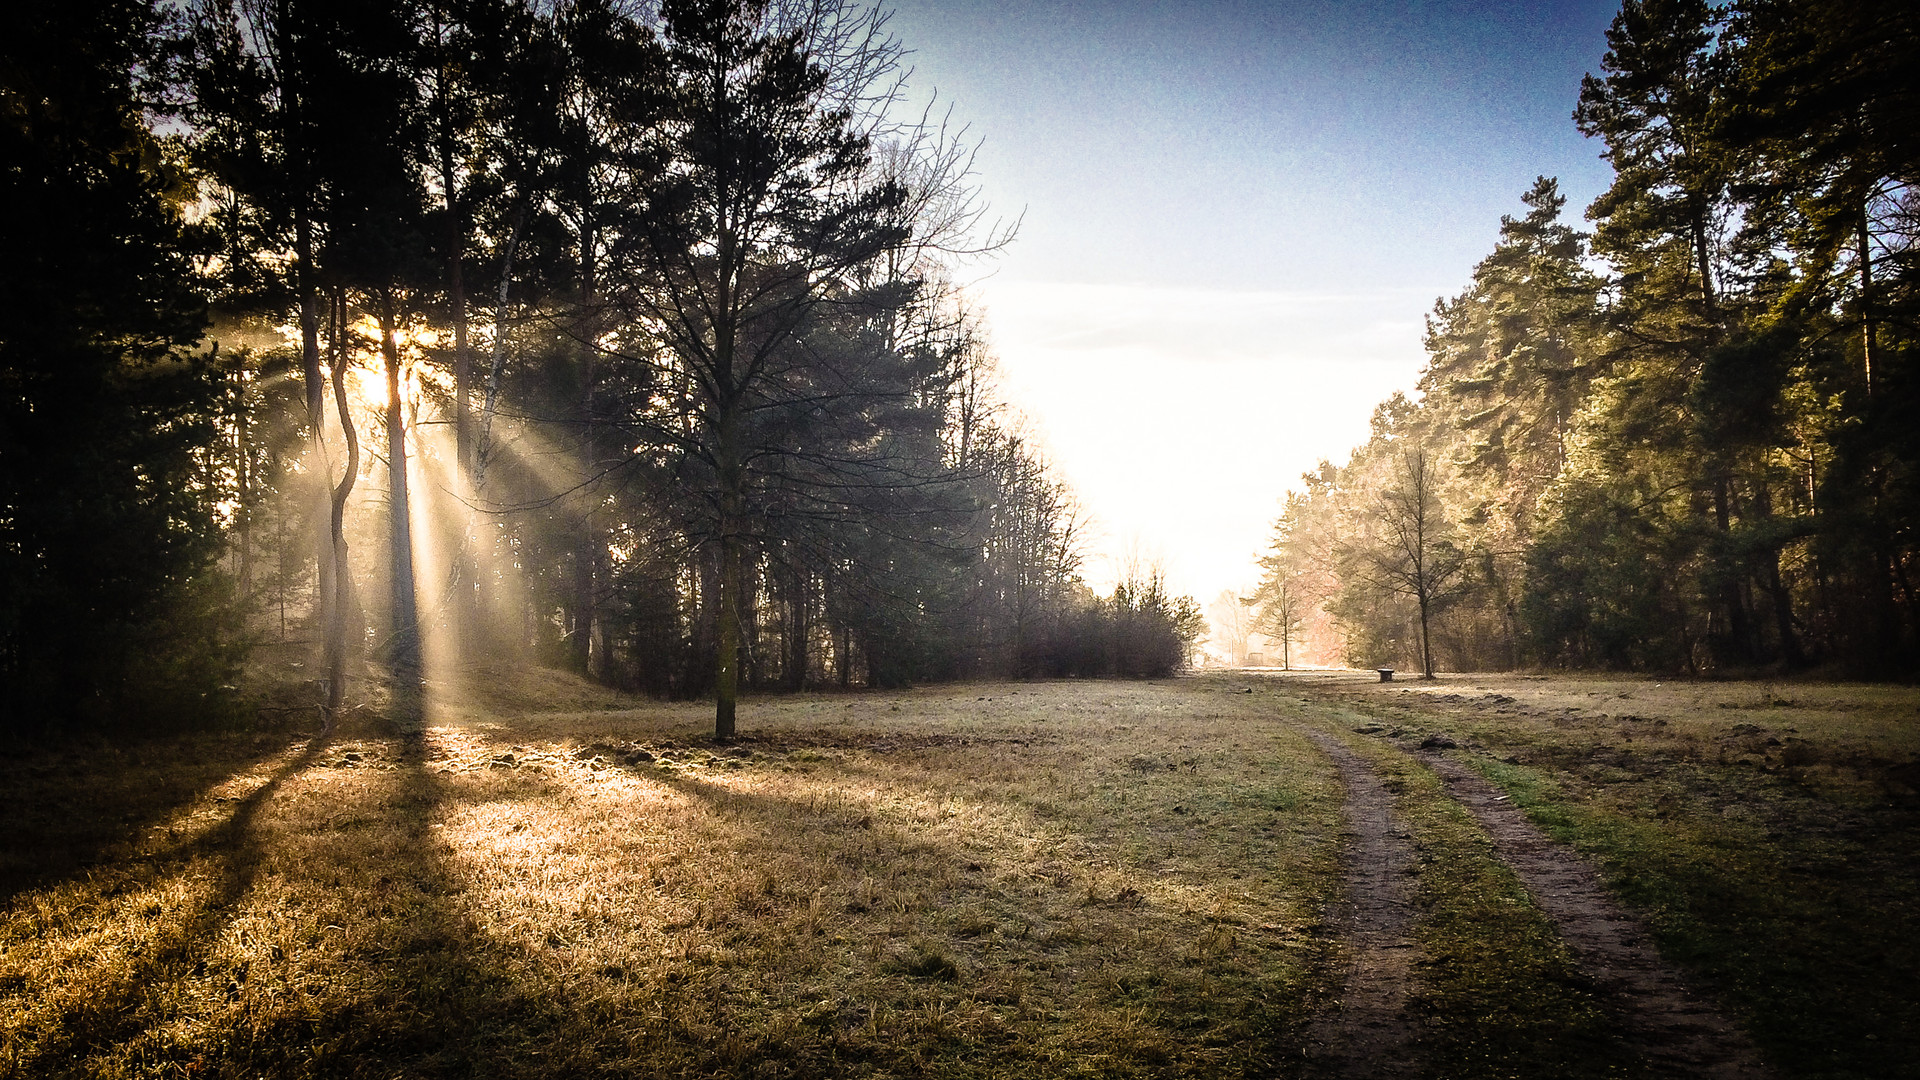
109 1015
371 967
70 806
414 988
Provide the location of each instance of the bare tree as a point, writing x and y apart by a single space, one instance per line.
1230 618
1414 555
1280 616
778 217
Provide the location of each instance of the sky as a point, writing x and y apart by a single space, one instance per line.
1233 219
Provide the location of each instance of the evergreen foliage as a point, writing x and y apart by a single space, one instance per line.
110 473
453 330
1684 441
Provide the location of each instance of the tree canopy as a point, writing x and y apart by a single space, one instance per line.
1683 440
392 338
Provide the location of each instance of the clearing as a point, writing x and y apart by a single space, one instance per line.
1249 875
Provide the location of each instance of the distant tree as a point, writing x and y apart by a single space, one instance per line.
1413 554
1281 615
1514 354
1230 618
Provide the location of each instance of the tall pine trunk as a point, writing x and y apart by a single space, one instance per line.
586 547
316 401
465 610
797 660
1869 343
1732 599
404 650
726 675
728 601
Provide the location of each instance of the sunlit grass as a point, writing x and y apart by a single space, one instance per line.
1035 880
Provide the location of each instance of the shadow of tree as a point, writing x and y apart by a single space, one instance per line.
341 929
107 1015
74 805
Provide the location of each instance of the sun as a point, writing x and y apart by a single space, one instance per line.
366 372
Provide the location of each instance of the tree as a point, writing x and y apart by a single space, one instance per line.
1665 215
110 600
306 113
771 210
1281 615
1414 554
1230 617
1820 102
1821 99
261 77
1666 223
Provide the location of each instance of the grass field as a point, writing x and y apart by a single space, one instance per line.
1055 879
1769 832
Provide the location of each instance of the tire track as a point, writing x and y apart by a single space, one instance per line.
1679 1031
1372 1033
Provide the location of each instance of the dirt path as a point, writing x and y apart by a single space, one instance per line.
1372 1034
1680 1032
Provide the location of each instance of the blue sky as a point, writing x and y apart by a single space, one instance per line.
1235 217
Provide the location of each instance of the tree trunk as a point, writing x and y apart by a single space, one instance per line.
465 610
586 548
726 678
340 602
753 663
405 619
1705 262
457 298
499 351
304 282
1869 344
796 662
1738 626
243 480
1426 643
1776 587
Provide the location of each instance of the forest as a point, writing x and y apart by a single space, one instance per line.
369 340
1685 440
361 342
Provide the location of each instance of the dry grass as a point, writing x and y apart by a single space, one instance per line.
1045 880
1070 879
1770 831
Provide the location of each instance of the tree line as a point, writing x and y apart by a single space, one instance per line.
421 333
1685 440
